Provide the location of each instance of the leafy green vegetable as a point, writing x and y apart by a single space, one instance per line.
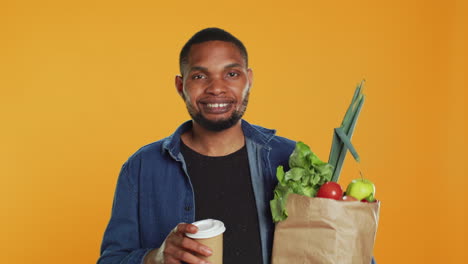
300 157
305 176
342 135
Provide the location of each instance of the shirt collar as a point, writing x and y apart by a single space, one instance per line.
257 134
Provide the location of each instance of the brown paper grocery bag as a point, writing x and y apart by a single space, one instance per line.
322 231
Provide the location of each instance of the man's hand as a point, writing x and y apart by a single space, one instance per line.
177 247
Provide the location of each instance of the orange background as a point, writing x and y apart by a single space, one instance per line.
84 84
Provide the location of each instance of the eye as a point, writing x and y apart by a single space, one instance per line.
233 74
198 76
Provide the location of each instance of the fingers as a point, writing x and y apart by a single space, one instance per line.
185 228
175 255
179 240
178 247
194 246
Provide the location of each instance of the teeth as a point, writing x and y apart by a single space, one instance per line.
217 105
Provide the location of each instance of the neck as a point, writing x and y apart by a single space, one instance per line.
211 143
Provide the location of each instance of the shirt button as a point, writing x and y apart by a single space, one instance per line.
187 208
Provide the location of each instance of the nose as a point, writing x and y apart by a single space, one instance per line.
217 86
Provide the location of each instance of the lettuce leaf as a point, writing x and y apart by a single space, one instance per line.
305 176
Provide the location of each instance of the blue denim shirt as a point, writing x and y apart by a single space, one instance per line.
154 194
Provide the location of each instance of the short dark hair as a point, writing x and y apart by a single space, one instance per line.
209 34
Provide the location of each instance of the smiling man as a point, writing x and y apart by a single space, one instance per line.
215 84
215 165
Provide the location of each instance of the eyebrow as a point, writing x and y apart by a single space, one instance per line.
200 68
232 65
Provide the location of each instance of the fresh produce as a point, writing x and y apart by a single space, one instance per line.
308 175
330 190
361 189
305 176
342 135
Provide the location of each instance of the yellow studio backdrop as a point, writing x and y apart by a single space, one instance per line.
84 84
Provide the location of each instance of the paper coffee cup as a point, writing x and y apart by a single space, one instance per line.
210 233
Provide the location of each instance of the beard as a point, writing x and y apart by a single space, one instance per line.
218 125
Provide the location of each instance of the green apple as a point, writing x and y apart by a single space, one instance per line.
361 189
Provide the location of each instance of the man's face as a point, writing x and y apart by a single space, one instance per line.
215 84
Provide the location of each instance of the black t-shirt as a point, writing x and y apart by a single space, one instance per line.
223 191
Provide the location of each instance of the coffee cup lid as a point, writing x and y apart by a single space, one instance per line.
207 228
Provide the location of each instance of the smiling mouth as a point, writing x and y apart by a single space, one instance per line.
216 108
217 105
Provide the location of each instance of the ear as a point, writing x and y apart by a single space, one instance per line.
179 84
250 77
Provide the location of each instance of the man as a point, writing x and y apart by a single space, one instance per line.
214 166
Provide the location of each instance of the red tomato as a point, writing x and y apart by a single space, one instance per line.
330 190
